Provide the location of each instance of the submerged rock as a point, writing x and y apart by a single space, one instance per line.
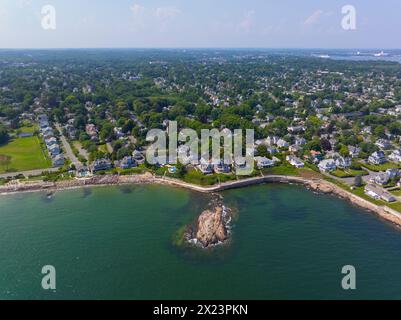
211 227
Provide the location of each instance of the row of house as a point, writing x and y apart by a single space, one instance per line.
207 167
127 162
51 142
329 165
383 178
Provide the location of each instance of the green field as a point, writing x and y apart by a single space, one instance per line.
378 168
26 154
348 173
396 192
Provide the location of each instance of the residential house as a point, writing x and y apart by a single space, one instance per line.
58 160
281 143
327 165
272 140
383 144
395 156
354 151
50 141
294 148
377 158
343 162
296 129
54 150
126 163
379 193
381 179
91 131
263 162
118 132
294 161
393 173
101 165
138 157
221 168
48 134
299 141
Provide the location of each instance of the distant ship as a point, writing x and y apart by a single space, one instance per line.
322 56
381 54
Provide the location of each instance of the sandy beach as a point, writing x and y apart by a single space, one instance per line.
318 185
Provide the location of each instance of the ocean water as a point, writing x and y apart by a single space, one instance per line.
116 243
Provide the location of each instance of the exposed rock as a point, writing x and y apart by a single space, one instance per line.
211 228
321 187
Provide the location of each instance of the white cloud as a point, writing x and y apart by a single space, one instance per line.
247 22
311 20
165 13
138 12
24 3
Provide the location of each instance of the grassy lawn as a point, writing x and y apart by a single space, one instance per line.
397 193
196 177
281 171
395 205
26 154
378 168
348 173
30 129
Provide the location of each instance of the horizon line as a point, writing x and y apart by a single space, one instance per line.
196 48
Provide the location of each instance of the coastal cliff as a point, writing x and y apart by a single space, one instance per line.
211 227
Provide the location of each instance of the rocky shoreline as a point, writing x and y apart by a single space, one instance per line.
317 185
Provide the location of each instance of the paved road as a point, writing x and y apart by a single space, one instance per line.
27 173
351 180
69 153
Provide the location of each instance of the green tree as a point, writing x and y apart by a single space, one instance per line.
3 134
358 182
5 161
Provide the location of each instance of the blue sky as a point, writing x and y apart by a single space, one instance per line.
200 23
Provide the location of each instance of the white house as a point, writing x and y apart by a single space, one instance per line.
395 156
378 193
383 144
294 161
263 162
343 162
393 173
327 165
300 141
377 158
381 179
282 144
354 151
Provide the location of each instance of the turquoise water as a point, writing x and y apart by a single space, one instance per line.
116 243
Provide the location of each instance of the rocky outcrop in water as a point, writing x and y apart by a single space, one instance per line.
211 227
